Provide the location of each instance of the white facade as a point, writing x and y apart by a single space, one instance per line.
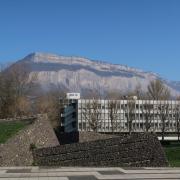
121 115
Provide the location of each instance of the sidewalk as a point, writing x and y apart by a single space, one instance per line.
78 173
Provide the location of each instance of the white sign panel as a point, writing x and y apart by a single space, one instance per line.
73 95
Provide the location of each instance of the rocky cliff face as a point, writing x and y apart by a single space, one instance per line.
78 74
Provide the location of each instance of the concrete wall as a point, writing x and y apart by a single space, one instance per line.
135 150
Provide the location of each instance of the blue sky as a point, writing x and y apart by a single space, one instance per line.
139 33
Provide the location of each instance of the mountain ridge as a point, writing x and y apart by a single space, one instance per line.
101 62
77 73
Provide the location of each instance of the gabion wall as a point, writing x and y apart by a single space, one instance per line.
136 150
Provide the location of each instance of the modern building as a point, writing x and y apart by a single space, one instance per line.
119 115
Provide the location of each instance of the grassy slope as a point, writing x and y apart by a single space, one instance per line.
173 153
8 129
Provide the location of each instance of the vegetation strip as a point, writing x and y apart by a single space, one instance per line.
173 153
9 129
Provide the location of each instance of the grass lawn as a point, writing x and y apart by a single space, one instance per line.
8 129
173 153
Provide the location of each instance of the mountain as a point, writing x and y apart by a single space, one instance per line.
79 74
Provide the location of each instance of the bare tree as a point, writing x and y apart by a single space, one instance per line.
14 86
158 91
163 111
113 114
23 80
177 119
147 114
130 114
178 98
7 96
92 114
49 103
113 95
93 94
139 92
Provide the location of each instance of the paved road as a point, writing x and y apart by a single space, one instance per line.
64 173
